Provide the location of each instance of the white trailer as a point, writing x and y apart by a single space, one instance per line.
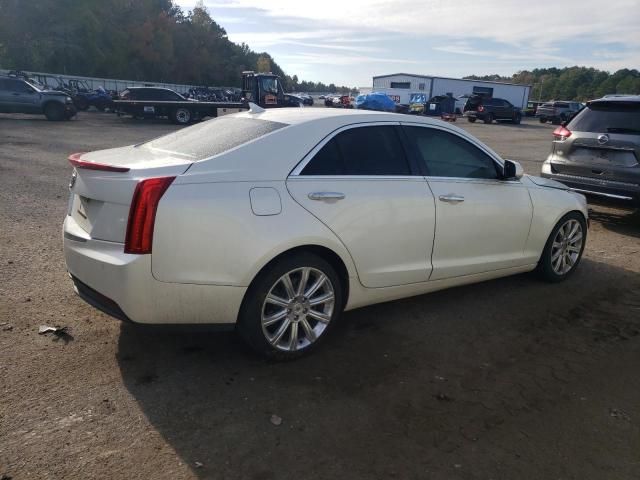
402 85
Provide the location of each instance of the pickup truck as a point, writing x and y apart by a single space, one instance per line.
558 111
20 96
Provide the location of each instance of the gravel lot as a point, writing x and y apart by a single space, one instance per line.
509 379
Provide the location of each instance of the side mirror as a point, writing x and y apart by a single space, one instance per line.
512 169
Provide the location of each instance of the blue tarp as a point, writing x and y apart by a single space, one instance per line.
375 101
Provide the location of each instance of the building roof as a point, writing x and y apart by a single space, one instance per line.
448 78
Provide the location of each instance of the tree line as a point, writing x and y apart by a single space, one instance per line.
571 83
143 40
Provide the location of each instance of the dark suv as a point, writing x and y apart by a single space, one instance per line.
598 151
19 96
490 109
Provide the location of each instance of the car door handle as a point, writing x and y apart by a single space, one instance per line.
328 196
451 198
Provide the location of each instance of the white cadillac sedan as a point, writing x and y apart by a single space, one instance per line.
277 221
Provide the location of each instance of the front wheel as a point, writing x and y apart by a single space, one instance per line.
543 120
563 250
291 306
488 118
517 118
54 111
471 119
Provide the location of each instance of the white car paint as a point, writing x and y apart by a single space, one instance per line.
228 215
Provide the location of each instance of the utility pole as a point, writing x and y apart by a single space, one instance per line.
540 92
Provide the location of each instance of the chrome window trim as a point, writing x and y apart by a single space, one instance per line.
493 155
296 172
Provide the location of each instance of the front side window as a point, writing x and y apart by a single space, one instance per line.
362 151
447 155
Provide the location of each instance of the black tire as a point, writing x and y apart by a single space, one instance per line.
181 116
556 121
54 111
517 119
471 119
545 268
488 118
543 120
81 103
251 313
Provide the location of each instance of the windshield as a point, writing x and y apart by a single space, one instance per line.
611 117
270 85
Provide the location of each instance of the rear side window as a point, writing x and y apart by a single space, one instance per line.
447 155
608 117
212 137
362 151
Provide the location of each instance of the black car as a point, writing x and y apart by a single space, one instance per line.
490 109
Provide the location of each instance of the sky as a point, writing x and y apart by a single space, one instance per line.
349 42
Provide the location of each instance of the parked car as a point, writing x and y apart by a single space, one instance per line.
597 152
558 112
20 96
532 109
276 221
306 99
489 109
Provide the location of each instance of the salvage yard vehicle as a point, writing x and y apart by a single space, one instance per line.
489 109
20 96
532 109
558 112
276 221
597 153
264 89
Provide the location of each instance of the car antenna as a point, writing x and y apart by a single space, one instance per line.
253 108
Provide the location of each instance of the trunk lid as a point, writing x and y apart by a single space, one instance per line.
100 197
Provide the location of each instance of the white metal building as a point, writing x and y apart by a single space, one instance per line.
400 86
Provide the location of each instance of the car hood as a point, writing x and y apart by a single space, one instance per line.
545 182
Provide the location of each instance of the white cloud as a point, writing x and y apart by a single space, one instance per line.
538 23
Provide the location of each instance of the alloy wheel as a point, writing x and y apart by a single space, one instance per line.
566 247
298 309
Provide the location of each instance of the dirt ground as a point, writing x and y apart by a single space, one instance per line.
509 379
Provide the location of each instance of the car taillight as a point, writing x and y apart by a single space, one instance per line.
74 160
142 214
481 108
561 133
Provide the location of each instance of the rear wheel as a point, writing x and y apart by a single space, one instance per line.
543 120
517 118
564 248
472 119
54 111
181 116
556 121
291 306
488 118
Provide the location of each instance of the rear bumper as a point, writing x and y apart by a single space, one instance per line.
604 189
122 286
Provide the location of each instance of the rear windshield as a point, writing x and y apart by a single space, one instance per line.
212 137
608 117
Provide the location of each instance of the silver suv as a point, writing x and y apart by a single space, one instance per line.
558 111
19 96
598 151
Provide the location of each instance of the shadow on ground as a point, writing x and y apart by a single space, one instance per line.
483 381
